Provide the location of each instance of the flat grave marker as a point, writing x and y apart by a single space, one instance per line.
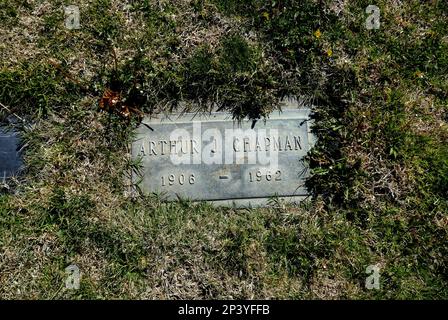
214 158
10 158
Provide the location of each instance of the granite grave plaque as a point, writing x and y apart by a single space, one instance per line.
10 159
214 158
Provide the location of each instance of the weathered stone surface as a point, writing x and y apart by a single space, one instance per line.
10 159
217 159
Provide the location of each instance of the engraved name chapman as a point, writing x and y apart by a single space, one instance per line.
216 158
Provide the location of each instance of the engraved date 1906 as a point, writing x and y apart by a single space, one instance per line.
180 179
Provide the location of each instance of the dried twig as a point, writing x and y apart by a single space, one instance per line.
10 112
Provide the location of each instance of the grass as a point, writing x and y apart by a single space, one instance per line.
380 167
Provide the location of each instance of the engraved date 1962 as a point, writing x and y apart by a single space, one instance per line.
259 176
